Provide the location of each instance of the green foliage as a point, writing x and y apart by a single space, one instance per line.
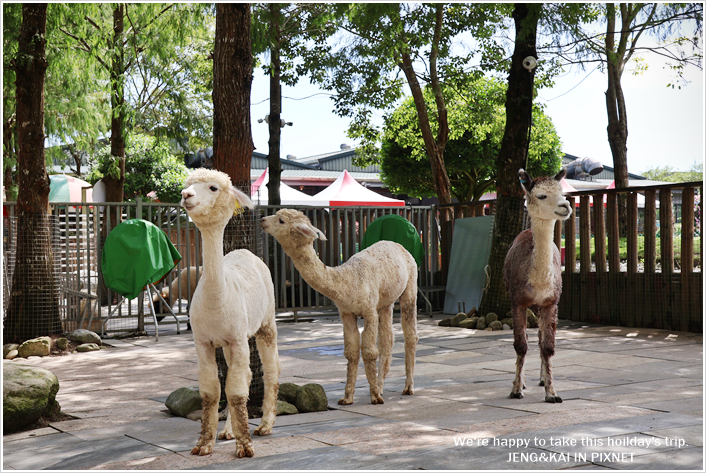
476 122
669 174
149 166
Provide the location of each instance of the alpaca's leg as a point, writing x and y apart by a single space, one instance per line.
266 339
210 391
547 325
408 306
543 368
351 350
370 354
519 328
386 340
237 389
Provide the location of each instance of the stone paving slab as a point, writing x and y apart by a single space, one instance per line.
616 382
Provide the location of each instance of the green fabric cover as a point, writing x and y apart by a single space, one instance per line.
136 253
398 229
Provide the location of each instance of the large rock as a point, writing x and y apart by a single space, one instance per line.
507 321
40 346
311 398
531 319
8 347
456 319
495 325
184 401
491 317
288 392
470 322
62 343
84 336
85 347
28 393
285 408
480 324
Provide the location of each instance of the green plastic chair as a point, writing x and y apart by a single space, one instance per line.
137 255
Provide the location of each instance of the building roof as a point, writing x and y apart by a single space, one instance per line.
607 173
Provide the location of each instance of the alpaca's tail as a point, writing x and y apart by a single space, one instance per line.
408 307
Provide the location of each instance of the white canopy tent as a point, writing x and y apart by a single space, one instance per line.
288 196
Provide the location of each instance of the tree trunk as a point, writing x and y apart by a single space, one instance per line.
34 304
617 119
273 158
512 157
232 80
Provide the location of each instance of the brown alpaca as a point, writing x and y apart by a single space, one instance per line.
533 276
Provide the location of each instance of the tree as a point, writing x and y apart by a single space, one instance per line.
512 156
34 304
232 81
387 47
618 46
669 174
476 118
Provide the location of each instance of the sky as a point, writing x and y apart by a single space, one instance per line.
665 125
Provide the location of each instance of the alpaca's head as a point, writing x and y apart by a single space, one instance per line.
291 228
210 198
545 196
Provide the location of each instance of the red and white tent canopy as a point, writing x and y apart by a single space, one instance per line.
288 196
346 191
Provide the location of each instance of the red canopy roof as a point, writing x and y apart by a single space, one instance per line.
345 191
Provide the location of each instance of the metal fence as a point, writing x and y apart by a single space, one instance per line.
84 227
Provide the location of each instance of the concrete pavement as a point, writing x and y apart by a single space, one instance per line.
632 400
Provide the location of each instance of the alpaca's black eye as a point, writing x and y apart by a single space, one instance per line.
213 188
541 197
281 221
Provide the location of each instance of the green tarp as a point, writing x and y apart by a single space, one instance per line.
136 253
398 229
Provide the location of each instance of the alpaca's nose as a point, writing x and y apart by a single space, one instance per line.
186 193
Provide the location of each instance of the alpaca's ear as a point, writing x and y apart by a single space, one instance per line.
560 175
310 231
242 199
525 181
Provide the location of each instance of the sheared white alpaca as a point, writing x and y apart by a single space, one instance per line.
233 301
187 286
532 275
367 285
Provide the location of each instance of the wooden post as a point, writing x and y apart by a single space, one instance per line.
687 256
634 304
613 259
601 298
666 255
650 256
586 301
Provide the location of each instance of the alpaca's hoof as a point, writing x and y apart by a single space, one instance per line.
345 401
244 450
202 450
517 395
553 398
408 391
263 429
541 382
376 399
225 436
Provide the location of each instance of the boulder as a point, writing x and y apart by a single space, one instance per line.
28 393
40 346
506 327
11 355
84 336
491 317
445 322
288 392
184 401
285 408
480 324
85 347
507 321
531 319
456 319
8 347
495 325
311 398
62 343
470 322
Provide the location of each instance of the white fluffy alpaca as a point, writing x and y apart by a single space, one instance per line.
234 301
367 285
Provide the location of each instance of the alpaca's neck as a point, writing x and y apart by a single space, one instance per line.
320 277
541 274
212 246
